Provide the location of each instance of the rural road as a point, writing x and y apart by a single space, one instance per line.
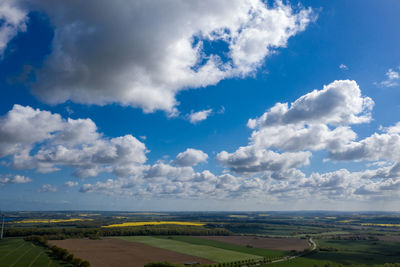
313 247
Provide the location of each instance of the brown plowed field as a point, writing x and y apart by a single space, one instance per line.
263 242
393 238
115 252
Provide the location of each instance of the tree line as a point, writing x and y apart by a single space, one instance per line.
57 252
95 233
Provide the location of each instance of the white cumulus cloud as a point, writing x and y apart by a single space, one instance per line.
190 157
338 103
35 139
135 53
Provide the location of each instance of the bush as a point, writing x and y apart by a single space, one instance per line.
160 264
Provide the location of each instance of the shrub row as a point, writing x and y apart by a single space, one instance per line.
57 252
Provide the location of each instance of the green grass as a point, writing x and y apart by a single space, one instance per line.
367 252
301 262
217 244
370 246
212 253
348 252
18 253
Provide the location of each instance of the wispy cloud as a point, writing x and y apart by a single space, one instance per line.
343 67
392 78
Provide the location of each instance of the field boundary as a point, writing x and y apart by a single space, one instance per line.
35 259
22 255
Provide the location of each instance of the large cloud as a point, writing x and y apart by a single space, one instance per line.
315 121
33 138
141 53
162 170
294 137
251 159
385 146
338 103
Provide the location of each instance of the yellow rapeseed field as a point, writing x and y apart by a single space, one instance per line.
51 220
126 224
381 224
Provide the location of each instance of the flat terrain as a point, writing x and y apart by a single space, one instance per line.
15 252
267 253
117 252
212 253
393 238
286 244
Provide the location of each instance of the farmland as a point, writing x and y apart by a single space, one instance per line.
284 244
212 253
117 252
247 238
205 241
16 252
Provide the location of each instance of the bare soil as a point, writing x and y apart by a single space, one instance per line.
263 242
116 252
393 238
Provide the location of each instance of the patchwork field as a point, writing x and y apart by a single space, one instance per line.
215 254
197 240
15 252
117 252
286 244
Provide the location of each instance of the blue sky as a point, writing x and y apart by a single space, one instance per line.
127 107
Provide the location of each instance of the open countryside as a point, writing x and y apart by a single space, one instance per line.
280 239
199 133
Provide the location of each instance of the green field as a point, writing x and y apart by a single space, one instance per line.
267 253
349 252
208 252
358 251
15 252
